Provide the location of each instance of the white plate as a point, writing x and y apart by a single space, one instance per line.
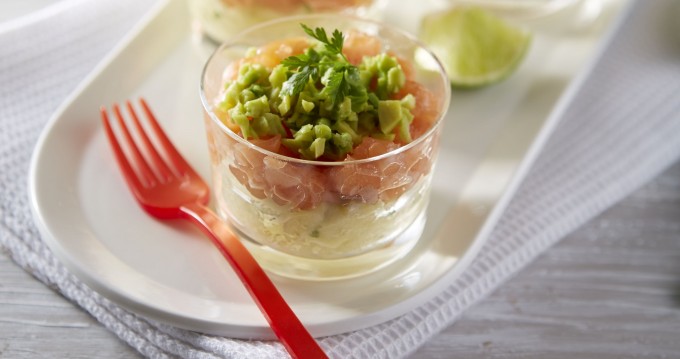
169 272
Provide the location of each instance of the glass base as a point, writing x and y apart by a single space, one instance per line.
295 267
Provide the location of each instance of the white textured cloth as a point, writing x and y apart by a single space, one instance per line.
622 130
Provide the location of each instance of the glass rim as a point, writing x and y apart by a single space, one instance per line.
232 41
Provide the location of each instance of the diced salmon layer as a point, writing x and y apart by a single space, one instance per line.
383 179
287 184
427 107
358 44
304 186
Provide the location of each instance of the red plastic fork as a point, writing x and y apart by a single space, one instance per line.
170 189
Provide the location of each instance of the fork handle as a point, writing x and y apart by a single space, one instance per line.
281 318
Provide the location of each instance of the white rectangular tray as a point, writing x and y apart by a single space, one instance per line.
171 274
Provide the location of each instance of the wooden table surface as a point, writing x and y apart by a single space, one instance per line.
609 290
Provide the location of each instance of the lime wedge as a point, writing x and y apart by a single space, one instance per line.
476 47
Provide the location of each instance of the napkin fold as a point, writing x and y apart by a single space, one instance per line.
620 131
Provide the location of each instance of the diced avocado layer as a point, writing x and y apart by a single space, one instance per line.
316 123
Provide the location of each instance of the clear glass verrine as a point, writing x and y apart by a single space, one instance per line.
326 219
221 19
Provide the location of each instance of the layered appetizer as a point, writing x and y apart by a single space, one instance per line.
323 144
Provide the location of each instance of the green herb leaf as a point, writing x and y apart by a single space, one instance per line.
310 57
297 82
339 76
334 45
335 86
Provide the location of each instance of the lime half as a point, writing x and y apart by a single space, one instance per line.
476 47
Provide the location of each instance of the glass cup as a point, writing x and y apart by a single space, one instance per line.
322 220
220 19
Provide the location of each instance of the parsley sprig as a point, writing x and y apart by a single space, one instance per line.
334 45
329 66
